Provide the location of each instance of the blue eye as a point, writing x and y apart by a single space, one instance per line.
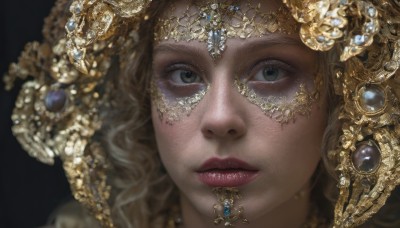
270 74
184 77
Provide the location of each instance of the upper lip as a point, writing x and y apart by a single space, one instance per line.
224 164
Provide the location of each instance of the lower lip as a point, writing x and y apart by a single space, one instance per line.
227 178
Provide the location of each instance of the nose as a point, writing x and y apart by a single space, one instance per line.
224 116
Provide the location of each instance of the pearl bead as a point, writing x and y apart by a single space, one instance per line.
367 157
371 98
55 100
71 25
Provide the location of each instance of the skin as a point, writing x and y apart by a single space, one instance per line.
226 125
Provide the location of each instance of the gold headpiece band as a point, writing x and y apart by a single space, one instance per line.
214 23
56 113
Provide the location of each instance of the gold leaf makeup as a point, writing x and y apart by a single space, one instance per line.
282 109
173 109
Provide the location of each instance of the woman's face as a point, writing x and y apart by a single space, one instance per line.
246 119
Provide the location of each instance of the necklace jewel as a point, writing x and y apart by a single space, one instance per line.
225 210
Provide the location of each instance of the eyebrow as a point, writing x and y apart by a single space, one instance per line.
270 41
178 47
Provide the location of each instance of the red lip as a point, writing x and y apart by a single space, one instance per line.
230 172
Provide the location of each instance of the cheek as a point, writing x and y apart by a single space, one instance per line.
288 154
172 142
295 148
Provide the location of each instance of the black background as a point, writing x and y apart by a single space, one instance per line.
29 190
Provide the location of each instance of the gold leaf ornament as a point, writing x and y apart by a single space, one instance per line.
93 27
324 23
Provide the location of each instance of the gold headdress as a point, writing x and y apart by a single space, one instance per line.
366 33
57 113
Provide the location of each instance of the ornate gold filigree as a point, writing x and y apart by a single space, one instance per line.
367 154
282 109
94 27
325 22
214 22
225 210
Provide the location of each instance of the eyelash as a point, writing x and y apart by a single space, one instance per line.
171 69
273 64
287 70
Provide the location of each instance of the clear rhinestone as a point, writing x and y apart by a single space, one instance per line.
370 27
336 33
90 34
343 182
359 40
336 22
367 157
321 39
78 9
372 11
77 54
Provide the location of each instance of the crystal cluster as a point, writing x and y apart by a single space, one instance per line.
214 26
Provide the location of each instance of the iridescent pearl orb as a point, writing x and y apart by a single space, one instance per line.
372 98
367 157
55 100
